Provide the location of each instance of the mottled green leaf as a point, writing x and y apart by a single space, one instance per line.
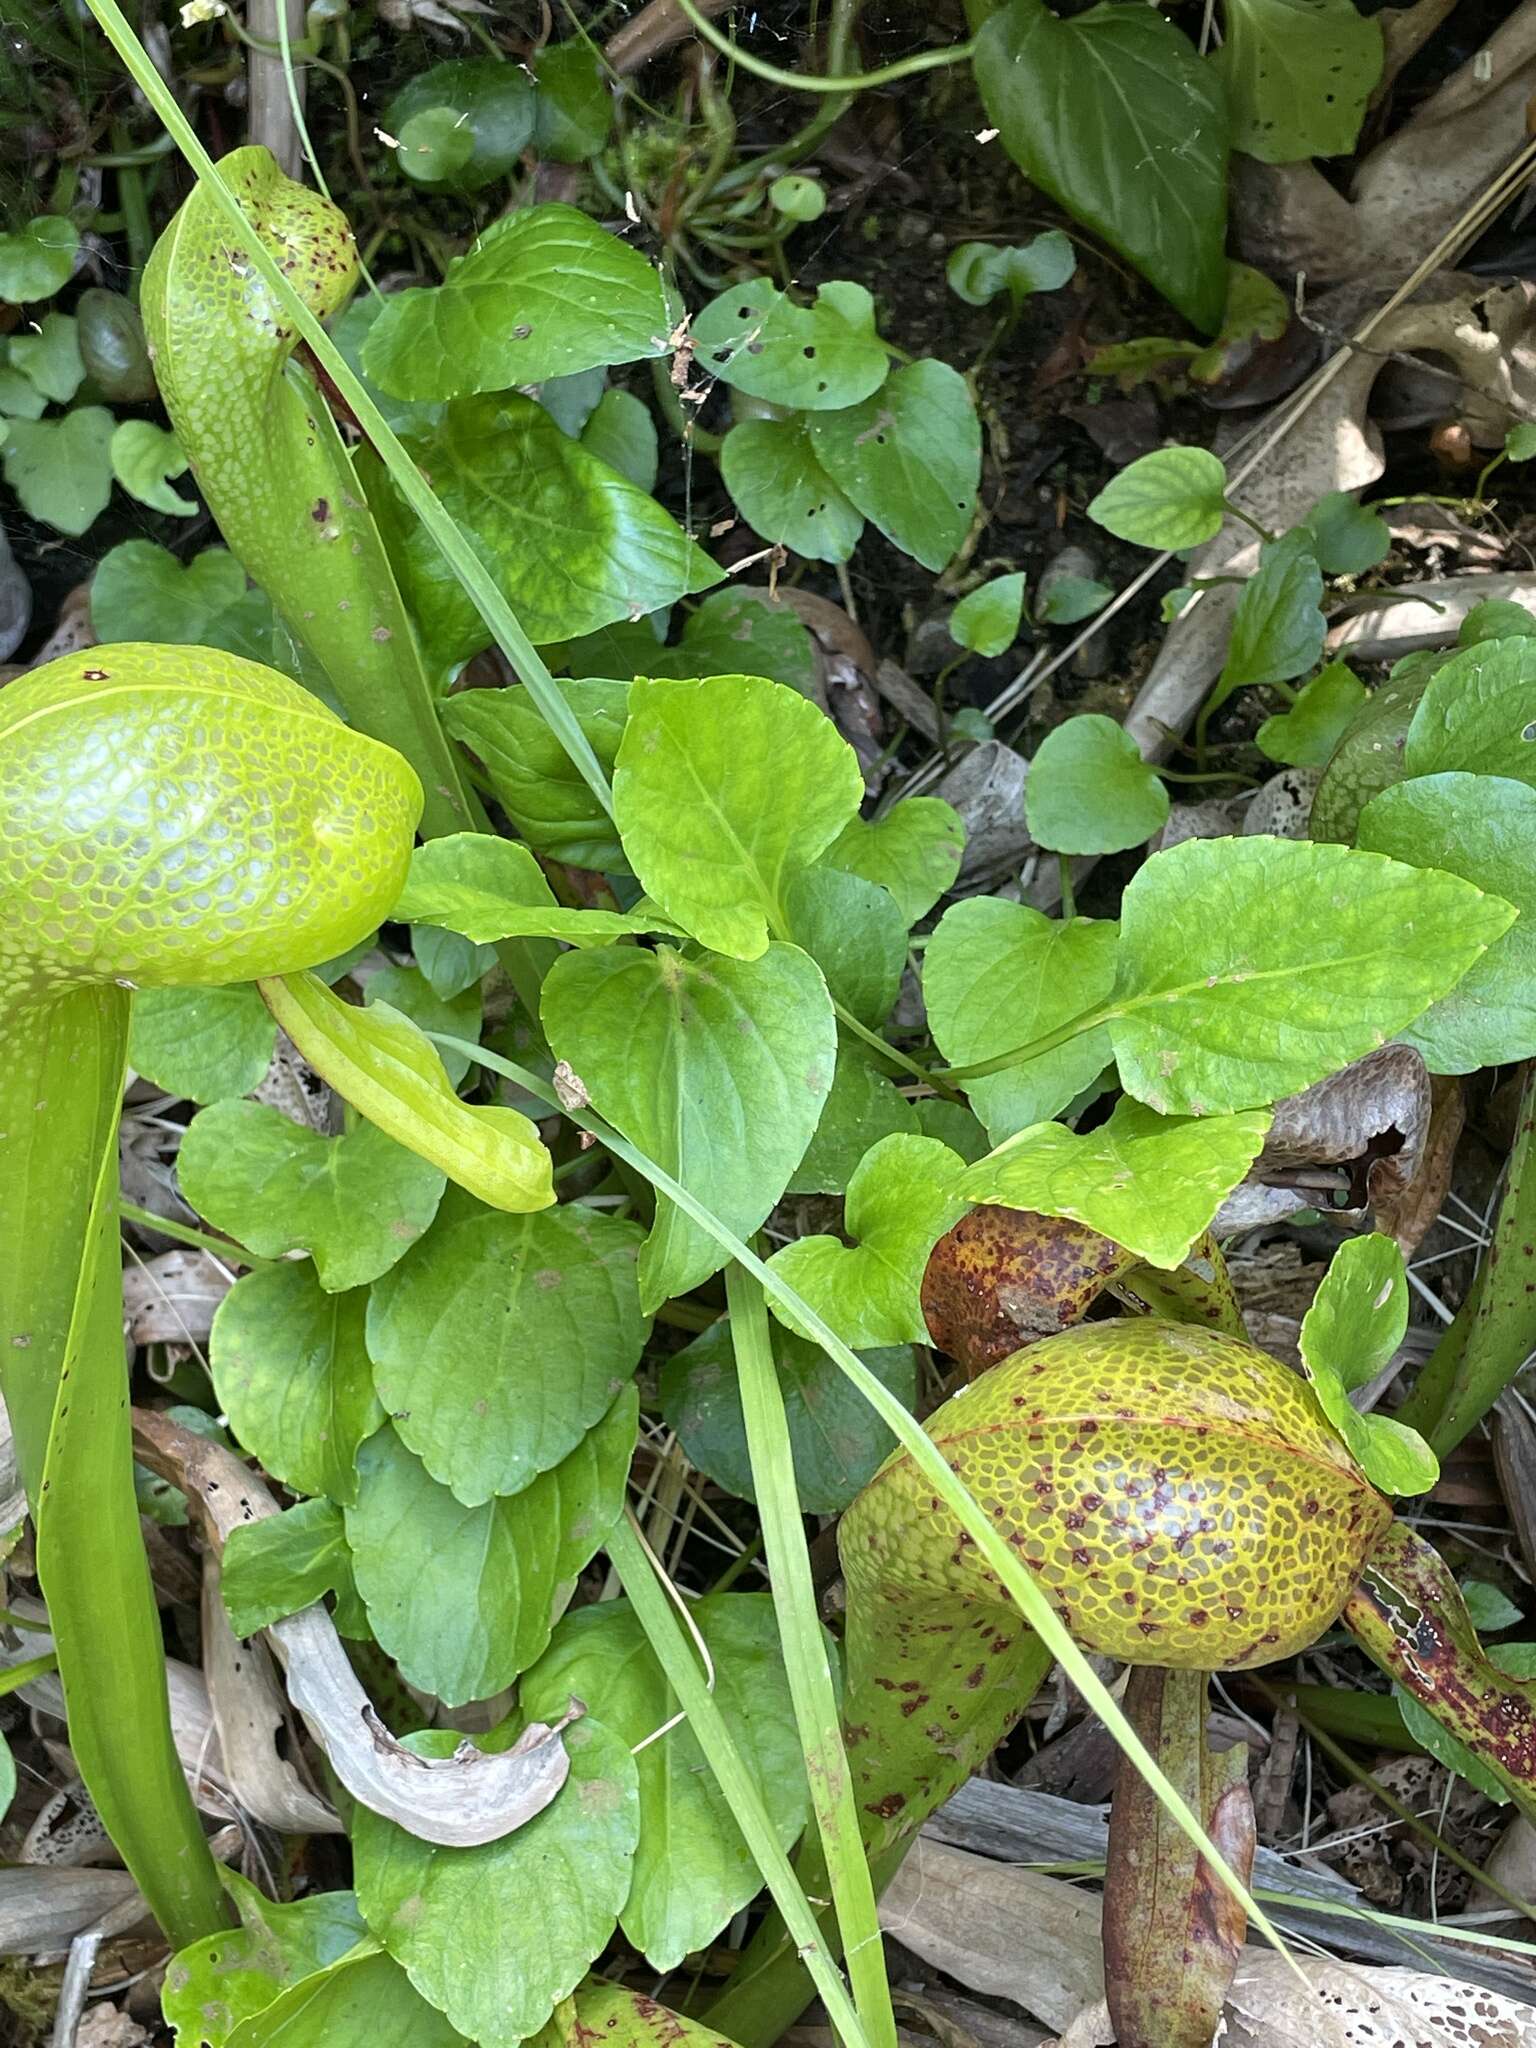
227 1977
1150 1183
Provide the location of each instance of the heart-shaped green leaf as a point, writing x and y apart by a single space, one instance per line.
909 458
1090 790
463 1598
496 1936
144 459
141 592
36 261
61 469
499 1341
49 357
692 1870
292 1373
354 1203
1174 498
914 851
756 339
214 1984
900 1202
779 487
1354 1325
862 1108
723 790
1150 1183
717 1068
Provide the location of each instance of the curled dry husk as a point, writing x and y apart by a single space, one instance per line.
459 1802
1370 1122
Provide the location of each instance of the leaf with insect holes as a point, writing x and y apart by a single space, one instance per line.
578 298
1250 968
355 1202
1353 1327
1298 76
212 1985
723 790
1148 1182
1091 791
692 1870
909 458
900 1202
998 975
781 490
292 1372
1305 735
1174 498
717 1068
496 1936
986 620
814 358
